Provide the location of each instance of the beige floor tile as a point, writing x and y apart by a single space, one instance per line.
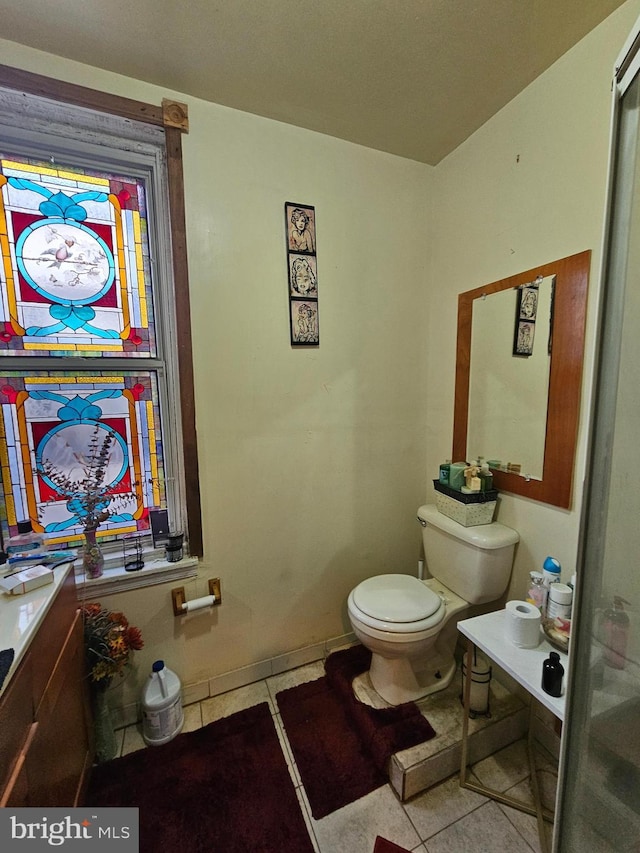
353 829
294 677
419 849
548 785
526 824
304 807
341 643
505 768
119 733
286 749
547 773
485 830
235 700
444 819
440 806
366 693
192 717
133 739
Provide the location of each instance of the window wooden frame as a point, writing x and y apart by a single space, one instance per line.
172 117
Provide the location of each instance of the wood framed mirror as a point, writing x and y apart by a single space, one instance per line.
568 282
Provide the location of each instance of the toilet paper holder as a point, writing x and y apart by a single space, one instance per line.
181 606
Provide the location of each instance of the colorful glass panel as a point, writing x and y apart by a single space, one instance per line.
75 274
62 432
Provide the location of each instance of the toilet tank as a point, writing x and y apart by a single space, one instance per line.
473 562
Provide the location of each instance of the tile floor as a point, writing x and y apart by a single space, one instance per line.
443 819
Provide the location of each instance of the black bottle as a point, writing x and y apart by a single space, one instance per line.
552 673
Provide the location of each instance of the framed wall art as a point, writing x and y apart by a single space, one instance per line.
302 274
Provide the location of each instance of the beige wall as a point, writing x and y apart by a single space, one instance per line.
527 188
313 462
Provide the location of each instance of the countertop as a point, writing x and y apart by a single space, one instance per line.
22 615
524 665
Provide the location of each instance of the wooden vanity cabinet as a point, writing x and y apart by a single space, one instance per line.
45 743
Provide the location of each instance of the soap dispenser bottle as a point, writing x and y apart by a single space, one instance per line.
486 477
537 592
551 570
616 634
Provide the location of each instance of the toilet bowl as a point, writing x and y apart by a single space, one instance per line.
409 624
401 620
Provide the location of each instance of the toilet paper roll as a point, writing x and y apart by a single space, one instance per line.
199 603
522 624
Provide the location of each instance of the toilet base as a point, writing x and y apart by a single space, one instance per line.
397 681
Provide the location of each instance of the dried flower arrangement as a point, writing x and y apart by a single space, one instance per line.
90 500
109 642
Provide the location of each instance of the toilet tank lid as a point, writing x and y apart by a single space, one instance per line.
487 536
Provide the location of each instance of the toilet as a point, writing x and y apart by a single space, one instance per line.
409 624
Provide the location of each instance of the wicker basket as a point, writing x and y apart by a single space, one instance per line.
468 510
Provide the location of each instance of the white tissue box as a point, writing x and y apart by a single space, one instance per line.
468 515
26 580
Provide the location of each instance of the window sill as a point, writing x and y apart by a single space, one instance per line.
116 579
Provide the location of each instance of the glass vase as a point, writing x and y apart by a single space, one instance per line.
106 744
92 556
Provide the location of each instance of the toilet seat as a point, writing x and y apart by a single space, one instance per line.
398 604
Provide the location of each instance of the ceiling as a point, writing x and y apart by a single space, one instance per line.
411 77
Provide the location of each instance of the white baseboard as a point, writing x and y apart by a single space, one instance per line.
127 715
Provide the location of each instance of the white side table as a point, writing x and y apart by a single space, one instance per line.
487 633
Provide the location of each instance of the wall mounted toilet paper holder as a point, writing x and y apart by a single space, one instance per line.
182 606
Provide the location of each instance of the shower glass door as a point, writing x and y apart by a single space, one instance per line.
599 788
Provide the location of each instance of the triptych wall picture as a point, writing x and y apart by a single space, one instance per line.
302 270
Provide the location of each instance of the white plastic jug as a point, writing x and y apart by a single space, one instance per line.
162 714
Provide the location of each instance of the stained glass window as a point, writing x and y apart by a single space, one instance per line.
84 385
75 275
53 427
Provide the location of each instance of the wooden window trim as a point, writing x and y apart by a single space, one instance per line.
171 116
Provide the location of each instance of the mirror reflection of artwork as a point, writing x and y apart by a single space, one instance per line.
524 339
526 312
302 273
528 303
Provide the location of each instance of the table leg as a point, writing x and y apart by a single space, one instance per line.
465 718
532 809
541 813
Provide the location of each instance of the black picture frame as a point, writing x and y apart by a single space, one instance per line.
302 274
